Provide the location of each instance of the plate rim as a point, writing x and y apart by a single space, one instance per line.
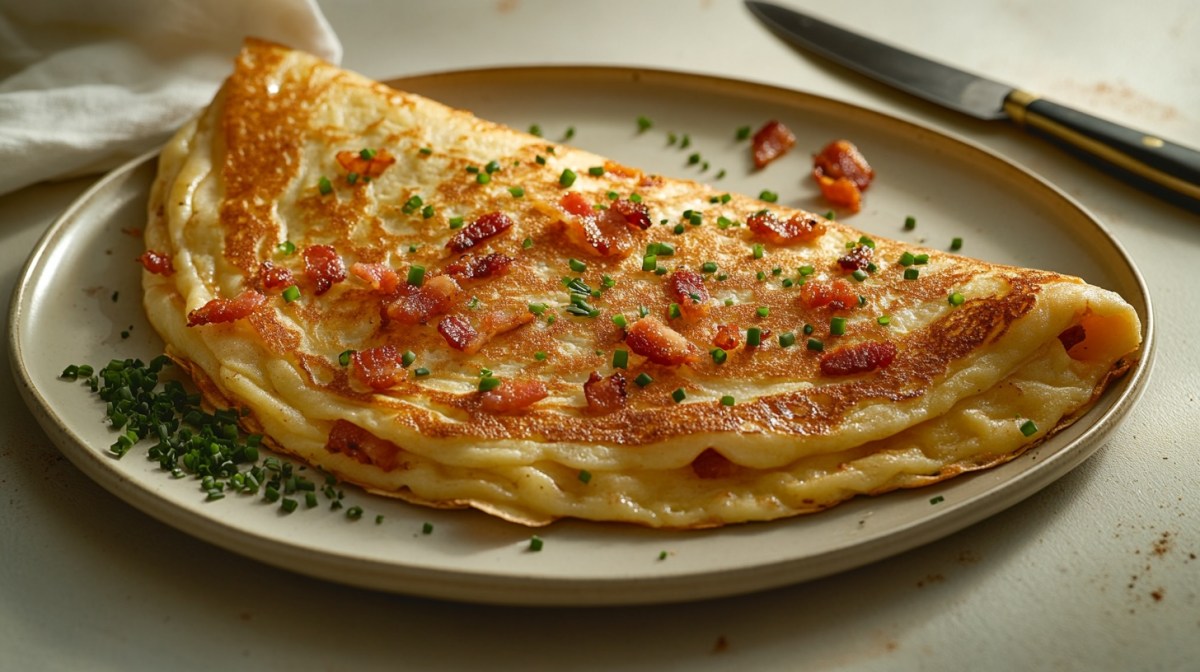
526 588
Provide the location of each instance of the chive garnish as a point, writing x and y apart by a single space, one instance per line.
535 543
644 124
787 340
487 383
758 251
416 275
577 265
596 171
911 274
324 186
910 223
567 178
620 359
291 293
679 395
768 196
719 355
643 379
956 244
1028 428
728 400
837 326
956 299
815 345
763 311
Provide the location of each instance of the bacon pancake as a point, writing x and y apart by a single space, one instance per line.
443 309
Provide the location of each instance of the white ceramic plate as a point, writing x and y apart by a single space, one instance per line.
78 301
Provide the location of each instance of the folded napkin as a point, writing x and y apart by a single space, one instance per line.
85 85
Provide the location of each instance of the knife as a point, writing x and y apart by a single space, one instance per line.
1159 166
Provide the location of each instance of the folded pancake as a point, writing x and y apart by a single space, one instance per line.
442 309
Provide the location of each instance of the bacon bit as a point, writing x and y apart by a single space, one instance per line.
801 228
419 304
635 214
771 141
226 310
512 396
605 232
462 335
857 258
473 267
459 333
837 294
605 395
842 173
487 226
157 263
858 358
353 162
711 464
728 337
275 277
687 289
323 266
379 368
1073 336
659 343
381 277
622 171
354 441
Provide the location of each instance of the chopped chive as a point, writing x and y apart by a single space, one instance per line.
937 500
787 282
728 400
567 178
351 178
527 243
596 171
921 259
787 340
763 311
753 337
649 262
517 192
540 160
808 329
679 395
291 293
815 345
883 320
344 358
287 247
742 133
1028 428
585 476
325 186
837 326
685 142
859 274
956 298
421 372
425 150
427 212
693 158
643 379
456 222
535 543
911 274
483 178
644 124
620 359
907 259
534 129
620 320
758 251
910 223
679 228
768 196
719 355
492 166
408 358
487 383
643 311
416 275
537 308
673 311
956 244
577 265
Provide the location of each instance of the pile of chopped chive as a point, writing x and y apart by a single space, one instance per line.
210 447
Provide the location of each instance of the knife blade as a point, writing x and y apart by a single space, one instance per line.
1159 166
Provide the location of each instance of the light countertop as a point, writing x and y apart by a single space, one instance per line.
1098 571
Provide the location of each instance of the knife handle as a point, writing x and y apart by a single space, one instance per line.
1158 165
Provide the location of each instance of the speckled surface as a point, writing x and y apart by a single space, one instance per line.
1096 572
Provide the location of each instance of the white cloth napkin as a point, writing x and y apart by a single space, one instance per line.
85 84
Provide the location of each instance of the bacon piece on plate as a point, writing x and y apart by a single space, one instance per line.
842 173
157 262
771 141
